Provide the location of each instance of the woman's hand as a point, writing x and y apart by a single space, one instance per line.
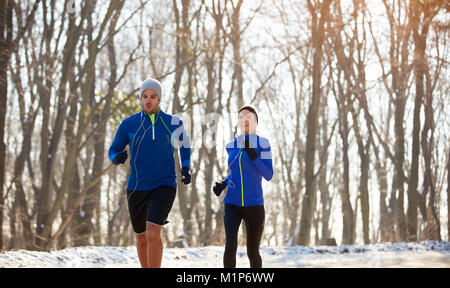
250 151
219 187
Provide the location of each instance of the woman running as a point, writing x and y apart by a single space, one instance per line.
249 159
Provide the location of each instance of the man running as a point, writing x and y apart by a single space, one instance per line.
151 136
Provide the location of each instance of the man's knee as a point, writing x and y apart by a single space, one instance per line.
153 232
141 239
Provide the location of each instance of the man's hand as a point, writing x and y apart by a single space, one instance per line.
186 175
250 151
219 187
120 158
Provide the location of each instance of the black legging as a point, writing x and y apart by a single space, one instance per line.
254 224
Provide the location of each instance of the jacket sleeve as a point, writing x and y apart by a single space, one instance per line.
263 163
120 142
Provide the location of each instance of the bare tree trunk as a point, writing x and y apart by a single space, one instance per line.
400 33
347 211
85 224
27 121
364 179
50 142
342 100
364 149
421 16
323 185
432 229
82 219
187 196
309 198
215 76
74 193
118 216
211 153
182 53
74 142
14 237
355 82
448 197
419 53
8 45
411 213
399 150
364 154
5 39
236 42
292 185
385 221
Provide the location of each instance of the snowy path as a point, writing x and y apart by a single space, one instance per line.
425 254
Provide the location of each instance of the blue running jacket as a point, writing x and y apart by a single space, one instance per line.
151 139
244 180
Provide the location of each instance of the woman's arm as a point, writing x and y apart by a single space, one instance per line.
263 163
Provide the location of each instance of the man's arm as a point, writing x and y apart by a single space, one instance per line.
120 142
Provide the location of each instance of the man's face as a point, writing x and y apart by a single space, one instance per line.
150 101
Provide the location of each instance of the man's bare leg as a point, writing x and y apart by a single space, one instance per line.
142 247
155 246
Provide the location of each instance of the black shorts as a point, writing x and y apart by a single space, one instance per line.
150 206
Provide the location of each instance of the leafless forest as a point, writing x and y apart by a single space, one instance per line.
352 94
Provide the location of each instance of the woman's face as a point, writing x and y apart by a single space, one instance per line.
247 122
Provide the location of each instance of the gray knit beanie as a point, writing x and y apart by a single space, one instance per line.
151 84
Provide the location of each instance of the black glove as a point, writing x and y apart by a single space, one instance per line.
250 151
187 175
120 158
219 187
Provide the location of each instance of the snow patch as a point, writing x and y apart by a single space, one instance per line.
424 254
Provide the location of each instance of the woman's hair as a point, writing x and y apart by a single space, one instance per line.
249 108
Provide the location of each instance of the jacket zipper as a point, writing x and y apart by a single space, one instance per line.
152 117
242 182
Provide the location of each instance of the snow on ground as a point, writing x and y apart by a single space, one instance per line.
424 254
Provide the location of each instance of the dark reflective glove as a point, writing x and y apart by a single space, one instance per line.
219 187
250 151
186 175
120 158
